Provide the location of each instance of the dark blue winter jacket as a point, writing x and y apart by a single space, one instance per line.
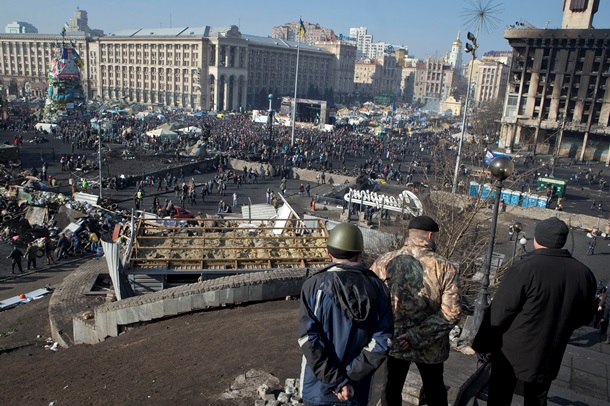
345 330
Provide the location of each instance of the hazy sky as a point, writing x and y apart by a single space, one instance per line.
426 27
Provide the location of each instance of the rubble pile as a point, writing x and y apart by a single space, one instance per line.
265 388
288 396
31 209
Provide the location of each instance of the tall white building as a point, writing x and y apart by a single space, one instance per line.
378 49
455 57
363 41
20 27
490 81
79 22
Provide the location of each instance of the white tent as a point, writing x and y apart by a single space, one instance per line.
191 130
143 114
467 136
160 132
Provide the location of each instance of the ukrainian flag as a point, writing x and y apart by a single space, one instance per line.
66 26
302 29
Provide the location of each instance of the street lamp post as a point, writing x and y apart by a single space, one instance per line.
501 168
99 150
516 229
270 122
558 141
472 49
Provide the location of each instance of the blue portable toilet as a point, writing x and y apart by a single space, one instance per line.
514 198
542 202
532 200
486 190
525 200
474 189
506 195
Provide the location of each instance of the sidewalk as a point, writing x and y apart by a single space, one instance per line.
584 377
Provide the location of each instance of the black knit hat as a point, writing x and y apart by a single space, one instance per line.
551 233
423 223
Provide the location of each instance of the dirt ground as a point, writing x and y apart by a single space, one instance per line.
188 360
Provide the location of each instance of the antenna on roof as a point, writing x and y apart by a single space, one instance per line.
524 23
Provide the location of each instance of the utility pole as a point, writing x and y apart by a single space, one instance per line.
99 151
472 49
270 123
557 149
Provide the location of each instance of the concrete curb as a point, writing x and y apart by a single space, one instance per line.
69 299
297 173
582 221
110 319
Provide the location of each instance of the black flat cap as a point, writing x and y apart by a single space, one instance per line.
423 223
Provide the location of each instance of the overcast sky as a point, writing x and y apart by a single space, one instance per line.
425 27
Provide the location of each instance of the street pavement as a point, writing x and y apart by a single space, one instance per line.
578 200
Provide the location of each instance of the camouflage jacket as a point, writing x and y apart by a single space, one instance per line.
424 290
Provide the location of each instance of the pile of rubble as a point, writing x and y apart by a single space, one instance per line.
265 388
289 396
31 209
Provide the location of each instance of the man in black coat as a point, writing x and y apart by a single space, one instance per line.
541 300
62 245
15 257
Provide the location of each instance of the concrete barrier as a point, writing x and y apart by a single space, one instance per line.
305 175
111 318
535 213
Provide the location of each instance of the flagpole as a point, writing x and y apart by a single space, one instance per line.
296 81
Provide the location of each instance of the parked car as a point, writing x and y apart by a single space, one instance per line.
181 213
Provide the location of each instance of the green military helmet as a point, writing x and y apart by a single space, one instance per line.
345 241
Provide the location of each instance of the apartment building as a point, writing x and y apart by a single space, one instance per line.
343 68
489 81
313 33
20 27
363 41
434 81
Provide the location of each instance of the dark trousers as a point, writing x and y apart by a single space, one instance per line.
431 376
503 382
16 264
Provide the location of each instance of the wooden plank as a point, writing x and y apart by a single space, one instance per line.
271 248
275 259
116 232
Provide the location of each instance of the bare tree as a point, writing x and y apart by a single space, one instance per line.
486 121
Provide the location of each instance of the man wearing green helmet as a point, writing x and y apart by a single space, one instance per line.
345 325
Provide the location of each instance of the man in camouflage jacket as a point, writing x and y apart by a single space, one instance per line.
425 297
